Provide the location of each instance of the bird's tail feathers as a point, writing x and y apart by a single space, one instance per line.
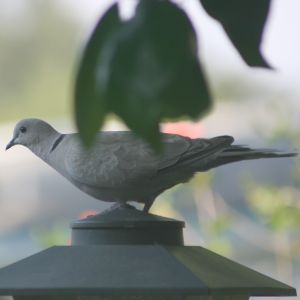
236 153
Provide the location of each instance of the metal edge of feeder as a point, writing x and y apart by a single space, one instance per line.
129 217
127 226
100 270
108 270
134 268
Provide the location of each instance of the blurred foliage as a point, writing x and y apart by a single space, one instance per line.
214 222
36 61
283 128
277 207
46 237
200 208
147 69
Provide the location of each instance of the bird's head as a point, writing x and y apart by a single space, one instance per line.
30 132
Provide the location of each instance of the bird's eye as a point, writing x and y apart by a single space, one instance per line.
23 129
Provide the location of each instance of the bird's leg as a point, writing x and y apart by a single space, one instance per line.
148 205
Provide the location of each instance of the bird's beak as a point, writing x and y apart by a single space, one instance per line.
10 144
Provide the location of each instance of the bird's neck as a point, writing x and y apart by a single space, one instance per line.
43 147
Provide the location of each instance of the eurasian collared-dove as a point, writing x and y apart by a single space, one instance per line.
120 167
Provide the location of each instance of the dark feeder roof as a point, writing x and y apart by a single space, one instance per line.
128 253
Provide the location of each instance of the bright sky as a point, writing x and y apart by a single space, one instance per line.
281 44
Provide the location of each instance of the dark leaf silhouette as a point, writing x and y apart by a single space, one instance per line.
243 22
145 70
90 99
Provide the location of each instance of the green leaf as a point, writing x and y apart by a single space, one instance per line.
149 70
243 22
90 98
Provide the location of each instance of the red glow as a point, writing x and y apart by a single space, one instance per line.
87 213
185 128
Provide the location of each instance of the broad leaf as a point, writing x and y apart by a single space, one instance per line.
90 100
147 69
243 22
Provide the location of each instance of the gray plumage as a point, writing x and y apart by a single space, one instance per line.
120 167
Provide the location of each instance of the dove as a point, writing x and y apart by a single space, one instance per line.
119 167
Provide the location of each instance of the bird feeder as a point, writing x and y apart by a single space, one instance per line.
127 254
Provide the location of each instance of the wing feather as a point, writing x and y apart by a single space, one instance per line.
120 159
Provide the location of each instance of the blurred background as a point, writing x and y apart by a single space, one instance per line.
249 211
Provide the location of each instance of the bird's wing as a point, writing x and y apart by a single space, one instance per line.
118 159
199 155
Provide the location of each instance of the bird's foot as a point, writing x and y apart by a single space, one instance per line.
120 205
